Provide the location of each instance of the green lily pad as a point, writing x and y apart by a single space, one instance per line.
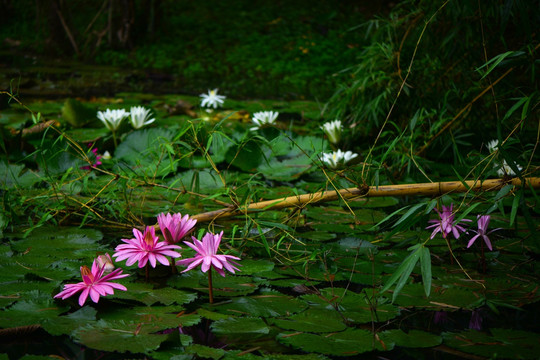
411 339
503 343
413 295
68 323
119 336
78 114
269 304
205 352
227 286
350 342
15 176
146 294
21 289
157 317
31 312
147 152
353 307
255 267
312 320
238 326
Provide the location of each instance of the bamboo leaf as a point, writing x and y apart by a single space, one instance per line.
408 214
403 268
264 241
425 267
515 206
407 270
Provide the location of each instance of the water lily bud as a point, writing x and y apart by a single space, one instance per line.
105 261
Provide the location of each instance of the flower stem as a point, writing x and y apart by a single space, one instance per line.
174 270
210 289
483 259
147 272
114 139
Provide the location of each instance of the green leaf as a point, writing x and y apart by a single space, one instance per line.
31 312
403 271
146 294
238 326
350 342
67 324
312 320
515 206
425 267
143 150
504 343
205 352
119 336
412 339
269 304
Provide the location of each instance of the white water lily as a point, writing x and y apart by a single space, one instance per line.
112 118
106 156
212 99
492 145
336 158
505 169
264 118
140 117
333 130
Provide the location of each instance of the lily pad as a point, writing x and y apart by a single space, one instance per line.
238 326
350 342
28 312
503 343
411 339
223 286
119 336
312 320
270 304
68 323
146 294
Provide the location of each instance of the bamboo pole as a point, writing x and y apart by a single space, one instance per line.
426 189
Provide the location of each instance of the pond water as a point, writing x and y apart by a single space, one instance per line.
312 278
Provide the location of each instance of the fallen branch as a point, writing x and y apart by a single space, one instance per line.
425 189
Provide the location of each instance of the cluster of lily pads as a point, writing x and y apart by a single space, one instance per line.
147 249
140 117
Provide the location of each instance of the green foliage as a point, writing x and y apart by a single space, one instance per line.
414 81
419 106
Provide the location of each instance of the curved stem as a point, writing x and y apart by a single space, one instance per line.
210 289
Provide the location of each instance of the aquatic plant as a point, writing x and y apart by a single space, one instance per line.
174 227
446 224
140 117
94 283
337 158
263 118
333 130
483 224
112 120
97 159
207 256
212 99
145 248
506 170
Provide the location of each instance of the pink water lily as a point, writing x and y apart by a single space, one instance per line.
446 223
97 160
145 248
483 223
174 227
94 284
208 257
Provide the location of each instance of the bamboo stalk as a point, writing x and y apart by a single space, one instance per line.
426 189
